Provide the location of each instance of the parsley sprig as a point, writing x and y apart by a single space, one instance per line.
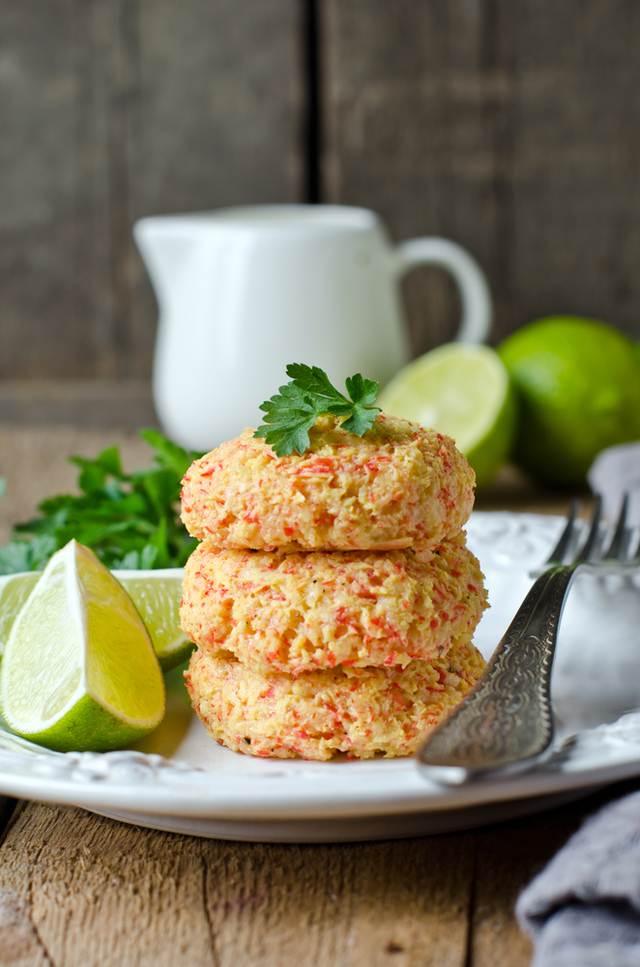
130 520
293 411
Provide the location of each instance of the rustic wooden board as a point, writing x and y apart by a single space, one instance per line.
77 889
511 128
112 109
508 856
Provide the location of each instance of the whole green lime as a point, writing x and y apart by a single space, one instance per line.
578 381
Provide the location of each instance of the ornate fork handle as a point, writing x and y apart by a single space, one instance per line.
505 723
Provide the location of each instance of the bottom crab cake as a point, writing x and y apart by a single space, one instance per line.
360 711
298 612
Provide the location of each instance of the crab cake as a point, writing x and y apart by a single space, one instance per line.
397 486
360 711
297 612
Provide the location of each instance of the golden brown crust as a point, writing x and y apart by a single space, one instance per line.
398 486
297 612
360 711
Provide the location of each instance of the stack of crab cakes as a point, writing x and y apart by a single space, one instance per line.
332 598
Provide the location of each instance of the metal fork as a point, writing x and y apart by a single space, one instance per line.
505 725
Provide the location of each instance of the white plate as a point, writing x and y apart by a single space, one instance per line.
179 780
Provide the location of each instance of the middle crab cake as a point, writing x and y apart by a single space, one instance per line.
298 612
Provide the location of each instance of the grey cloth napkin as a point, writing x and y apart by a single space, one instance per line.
583 910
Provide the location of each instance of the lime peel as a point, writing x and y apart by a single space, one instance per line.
578 386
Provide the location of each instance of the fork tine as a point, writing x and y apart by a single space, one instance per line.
560 550
633 544
618 546
589 547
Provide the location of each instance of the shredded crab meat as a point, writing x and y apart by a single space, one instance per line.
362 712
398 486
333 598
297 612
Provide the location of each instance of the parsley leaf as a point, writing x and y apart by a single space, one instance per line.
293 411
129 520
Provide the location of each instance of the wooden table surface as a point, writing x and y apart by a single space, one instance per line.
79 889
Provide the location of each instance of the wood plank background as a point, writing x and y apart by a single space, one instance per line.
512 128
115 109
509 127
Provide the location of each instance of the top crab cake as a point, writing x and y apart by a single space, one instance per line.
397 486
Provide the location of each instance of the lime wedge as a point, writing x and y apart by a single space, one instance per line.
464 391
14 591
79 670
156 595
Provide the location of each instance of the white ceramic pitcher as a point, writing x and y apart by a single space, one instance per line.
244 291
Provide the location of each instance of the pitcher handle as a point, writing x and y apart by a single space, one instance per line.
475 296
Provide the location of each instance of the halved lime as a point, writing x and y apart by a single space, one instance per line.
464 391
79 670
156 595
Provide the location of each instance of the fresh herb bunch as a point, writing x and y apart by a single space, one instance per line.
293 411
129 520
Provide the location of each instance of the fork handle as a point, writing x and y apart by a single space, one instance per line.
505 723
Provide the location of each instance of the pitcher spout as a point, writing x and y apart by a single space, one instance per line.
164 245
